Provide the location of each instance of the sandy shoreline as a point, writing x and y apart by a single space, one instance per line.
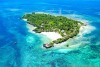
25 19
50 35
30 27
54 35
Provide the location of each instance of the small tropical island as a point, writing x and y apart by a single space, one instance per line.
67 28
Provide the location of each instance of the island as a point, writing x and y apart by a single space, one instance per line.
66 27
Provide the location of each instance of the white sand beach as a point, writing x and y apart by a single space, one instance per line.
52 35
25 19
30 27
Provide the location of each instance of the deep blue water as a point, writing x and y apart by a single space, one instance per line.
21 48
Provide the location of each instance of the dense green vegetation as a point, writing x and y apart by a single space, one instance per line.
66 27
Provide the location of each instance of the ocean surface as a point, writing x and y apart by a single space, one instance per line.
21 48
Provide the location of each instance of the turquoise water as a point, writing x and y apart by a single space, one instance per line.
21 48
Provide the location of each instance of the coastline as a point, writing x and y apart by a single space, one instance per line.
51 35
29 26
54 36
83 30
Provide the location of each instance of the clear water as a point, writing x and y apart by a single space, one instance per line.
21 48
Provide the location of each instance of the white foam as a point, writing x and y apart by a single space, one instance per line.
64 50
